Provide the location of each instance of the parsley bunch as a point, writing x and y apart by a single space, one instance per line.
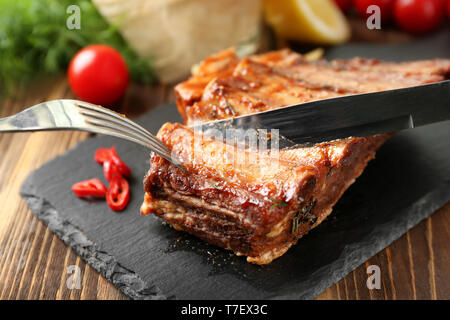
34 40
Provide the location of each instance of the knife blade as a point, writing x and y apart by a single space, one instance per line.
359 115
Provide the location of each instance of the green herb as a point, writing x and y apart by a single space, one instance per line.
278 203
214 186
34 40
304 215
295 222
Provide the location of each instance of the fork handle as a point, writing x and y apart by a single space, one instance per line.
9 124
78 115
5 125
52 115
27 120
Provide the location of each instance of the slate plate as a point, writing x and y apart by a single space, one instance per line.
408 181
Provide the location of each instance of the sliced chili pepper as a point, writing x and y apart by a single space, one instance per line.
111 171
118 194
102 155
89 188
121 165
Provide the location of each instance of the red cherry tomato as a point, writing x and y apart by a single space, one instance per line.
386 7
98 74
448 9
419 16
344 5
118 194
89 188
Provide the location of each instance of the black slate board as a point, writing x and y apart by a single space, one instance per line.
408 181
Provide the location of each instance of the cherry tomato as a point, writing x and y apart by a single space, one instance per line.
344 5
89 188
419 16
448 9
386 7
98 74
118 194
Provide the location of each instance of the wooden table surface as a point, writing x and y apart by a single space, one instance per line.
34 262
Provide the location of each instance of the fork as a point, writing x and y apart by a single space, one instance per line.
65 114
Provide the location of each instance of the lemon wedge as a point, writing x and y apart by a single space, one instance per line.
315 21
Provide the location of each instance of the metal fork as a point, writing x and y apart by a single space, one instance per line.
78 115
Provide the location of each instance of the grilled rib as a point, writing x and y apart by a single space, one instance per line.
260 208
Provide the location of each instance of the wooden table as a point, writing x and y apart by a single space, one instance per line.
34 262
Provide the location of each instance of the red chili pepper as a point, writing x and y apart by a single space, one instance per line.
111 171
118 194
89 188
119 163
102 155
114 168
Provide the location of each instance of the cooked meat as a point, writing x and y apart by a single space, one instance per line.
223 87
260 208
249 207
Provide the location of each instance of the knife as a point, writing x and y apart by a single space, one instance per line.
359 115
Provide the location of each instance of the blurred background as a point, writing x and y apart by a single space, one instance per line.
161 40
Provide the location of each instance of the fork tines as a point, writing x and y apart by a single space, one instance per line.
110 122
